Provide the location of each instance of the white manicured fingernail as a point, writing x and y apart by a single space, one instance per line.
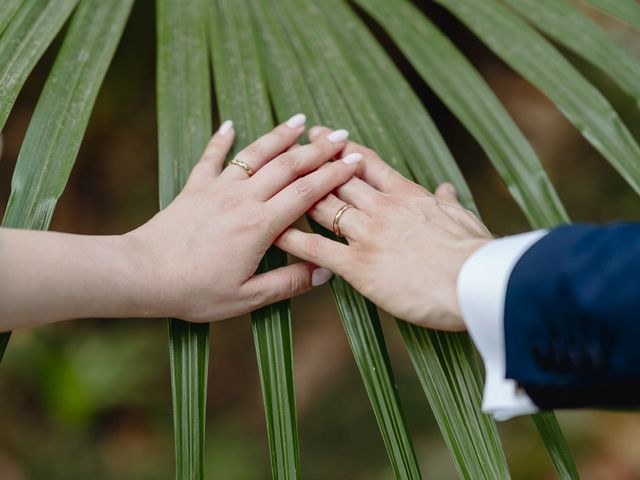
338 136
320 275
314 131
297 120
352 158
226 127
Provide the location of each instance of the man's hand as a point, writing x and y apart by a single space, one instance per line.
406 246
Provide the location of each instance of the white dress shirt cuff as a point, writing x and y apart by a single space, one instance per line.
482 289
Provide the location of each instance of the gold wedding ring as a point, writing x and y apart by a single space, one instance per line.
242 165
338 217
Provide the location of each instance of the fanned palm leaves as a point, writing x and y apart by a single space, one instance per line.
257 66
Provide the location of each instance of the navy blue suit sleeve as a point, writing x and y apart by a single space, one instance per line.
572 318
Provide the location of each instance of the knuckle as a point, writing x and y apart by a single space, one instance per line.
256 298
368 154
231 202
304 187
313 246
256 221
284 238
389 201
298 284
287 162
428 202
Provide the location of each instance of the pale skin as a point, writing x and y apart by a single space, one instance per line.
196 259
405 245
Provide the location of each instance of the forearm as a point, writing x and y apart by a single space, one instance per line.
48 277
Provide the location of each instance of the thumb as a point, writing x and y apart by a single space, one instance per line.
285 282
447 192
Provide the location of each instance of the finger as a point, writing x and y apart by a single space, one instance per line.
448 195
285 282
293 201
267 147
447 192
375 171
212 160
284 169
466 218
361 195
312 247
353 222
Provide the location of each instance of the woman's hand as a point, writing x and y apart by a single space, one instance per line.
406 246
196 259
202 251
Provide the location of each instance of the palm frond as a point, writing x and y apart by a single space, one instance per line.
184 127
242 95
50 148
31 29
9 8
290 85
565 24
530 54
462 89
626 11
399 128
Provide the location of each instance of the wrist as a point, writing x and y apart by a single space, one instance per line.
467 252
145 276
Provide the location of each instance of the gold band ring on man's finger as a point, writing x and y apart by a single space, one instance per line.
338 217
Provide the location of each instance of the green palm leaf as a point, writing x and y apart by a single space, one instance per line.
184 127
471 100
242 95
25 39
50 148
627 11
415 148
291 86
530 54
463 90
565 24
9 8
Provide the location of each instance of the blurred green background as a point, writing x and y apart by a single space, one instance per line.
91 399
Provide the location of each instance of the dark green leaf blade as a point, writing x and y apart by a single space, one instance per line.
417 150
627 11
530 54
557 447
33 27
9 8
462 89
184 127
565 24
242 95
291 86
467 95
50 147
